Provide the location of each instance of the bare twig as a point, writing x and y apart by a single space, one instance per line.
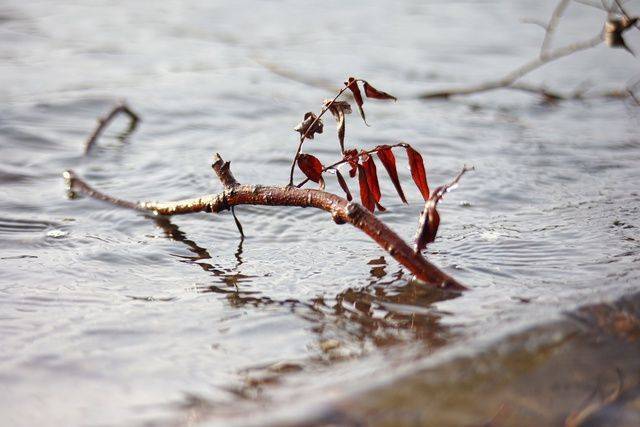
533 21
629 19
509 79
237 221
592 3
103 122
290 75
235 194
552 25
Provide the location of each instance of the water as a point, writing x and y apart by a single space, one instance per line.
110 318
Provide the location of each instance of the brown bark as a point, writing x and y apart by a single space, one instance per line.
341 211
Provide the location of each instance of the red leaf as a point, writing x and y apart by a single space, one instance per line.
311 167
429 222
352 157
344 185
372 179
365 194
389 162
374 93
418 172
372 176
430 219
352 84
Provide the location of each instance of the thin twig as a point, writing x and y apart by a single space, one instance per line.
625 13
593 4
325 108
552 25
340 209
533 21
290 75
511 77
103 122
237 221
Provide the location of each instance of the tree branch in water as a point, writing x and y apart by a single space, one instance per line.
235 194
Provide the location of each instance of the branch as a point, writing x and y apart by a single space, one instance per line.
290 75
552 25
103 122
223 170
510 78
235 194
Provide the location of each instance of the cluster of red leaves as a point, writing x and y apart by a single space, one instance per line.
363 164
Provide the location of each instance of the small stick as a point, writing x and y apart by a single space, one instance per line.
103 122
237 221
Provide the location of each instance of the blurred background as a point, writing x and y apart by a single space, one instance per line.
111 318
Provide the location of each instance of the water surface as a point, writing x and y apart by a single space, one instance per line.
110 318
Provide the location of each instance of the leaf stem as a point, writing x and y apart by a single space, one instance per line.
311 126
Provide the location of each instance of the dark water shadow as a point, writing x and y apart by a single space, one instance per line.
390 310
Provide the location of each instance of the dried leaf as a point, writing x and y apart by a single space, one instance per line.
365 193
613 30
374 93
385 154
352 157
309 126
338 105
343 185
352 84
338 110
311 167
418 173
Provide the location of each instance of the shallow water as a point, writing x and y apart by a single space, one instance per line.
111 318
